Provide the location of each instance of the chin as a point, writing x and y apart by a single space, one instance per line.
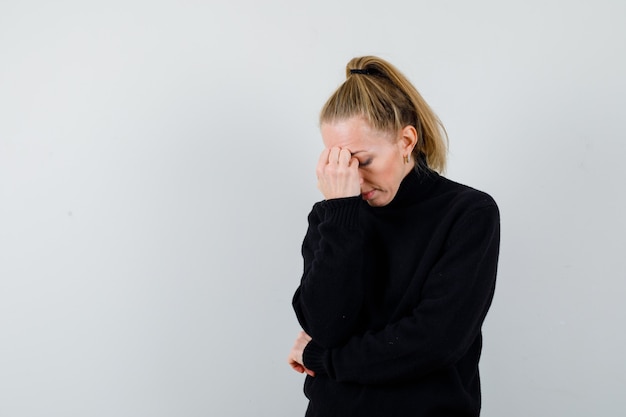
375 203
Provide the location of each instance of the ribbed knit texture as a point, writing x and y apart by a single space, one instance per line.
314 357
343 211
394 298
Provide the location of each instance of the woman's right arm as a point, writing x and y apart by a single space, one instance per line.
330 296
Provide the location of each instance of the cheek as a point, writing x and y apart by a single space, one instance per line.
394 175
391 172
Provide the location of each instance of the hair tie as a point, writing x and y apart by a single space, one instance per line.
360 71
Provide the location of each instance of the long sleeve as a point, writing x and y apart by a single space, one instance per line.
444 324
330 295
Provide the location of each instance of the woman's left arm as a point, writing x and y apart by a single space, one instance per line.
446 322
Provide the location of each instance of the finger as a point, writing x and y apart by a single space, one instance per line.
309 372
333 157
345 156
295 365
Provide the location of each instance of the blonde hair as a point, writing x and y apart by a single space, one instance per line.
377 91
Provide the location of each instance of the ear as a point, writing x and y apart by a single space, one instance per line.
408 139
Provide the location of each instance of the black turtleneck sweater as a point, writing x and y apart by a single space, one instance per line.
394 298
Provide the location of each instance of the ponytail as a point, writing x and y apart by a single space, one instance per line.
376 90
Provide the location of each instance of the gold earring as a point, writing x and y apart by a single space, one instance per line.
407 158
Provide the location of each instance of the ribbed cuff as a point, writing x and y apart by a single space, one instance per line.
313 357
343 211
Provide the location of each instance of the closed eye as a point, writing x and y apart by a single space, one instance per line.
365 163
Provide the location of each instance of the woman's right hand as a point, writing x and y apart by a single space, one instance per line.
338 174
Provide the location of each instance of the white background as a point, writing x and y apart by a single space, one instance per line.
157 166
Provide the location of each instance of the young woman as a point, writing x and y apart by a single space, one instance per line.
399 262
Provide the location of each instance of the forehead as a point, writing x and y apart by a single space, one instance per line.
355 134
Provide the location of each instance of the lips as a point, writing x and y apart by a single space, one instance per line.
368 195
